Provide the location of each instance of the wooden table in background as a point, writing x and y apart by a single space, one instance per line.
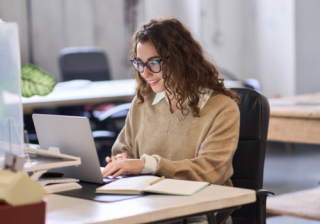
302 204
295 119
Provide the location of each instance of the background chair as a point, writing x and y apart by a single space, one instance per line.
110 123
247 83
76 63
88 63
107 120
248 161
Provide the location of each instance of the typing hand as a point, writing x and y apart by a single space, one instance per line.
121 166
117 157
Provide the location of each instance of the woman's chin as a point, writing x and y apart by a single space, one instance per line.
157 90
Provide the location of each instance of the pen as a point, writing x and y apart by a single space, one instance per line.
156 181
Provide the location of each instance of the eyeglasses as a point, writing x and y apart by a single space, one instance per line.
153 65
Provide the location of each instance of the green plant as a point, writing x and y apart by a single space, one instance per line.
35 81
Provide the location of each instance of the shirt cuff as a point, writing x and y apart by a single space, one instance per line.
150 164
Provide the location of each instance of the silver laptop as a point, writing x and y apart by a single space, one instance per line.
73 136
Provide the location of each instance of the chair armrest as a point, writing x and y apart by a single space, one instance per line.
263 192
114 111
252 84
108 120
262 195
103 135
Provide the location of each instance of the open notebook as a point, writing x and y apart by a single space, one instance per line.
141 184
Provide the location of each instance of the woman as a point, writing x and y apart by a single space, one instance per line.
183 122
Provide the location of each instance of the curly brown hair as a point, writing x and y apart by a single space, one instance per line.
185 65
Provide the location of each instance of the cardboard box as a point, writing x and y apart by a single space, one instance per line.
26 214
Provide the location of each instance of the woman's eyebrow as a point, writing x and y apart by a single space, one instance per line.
153 57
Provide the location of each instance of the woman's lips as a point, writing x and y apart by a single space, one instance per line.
153 82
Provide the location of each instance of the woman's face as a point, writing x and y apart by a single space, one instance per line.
145 52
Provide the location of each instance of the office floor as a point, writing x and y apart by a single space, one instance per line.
284 173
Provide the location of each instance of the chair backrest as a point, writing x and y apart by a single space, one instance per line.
84 63
248 161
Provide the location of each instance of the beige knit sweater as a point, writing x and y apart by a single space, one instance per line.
186 147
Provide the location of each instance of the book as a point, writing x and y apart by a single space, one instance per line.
141 184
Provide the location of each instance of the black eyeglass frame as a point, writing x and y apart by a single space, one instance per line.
145 64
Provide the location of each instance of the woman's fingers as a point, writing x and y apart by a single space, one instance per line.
124 155
116 168
118 173
117 157
109 170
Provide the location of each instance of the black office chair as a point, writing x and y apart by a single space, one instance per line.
110 124
247 83
88 63
248 161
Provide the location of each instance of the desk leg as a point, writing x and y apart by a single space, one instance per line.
211 218
288 147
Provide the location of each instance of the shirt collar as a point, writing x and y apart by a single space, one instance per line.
202 101
158 97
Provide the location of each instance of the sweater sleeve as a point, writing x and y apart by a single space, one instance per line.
213 162
124 139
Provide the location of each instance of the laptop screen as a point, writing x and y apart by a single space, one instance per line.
73 136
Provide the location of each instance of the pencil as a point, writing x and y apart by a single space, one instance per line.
156 181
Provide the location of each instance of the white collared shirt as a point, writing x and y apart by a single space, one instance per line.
151 163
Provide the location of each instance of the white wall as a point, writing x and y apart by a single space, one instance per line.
15 11
60 23
276 42
253 39
187 11
276 47
223 33
47 26
308 46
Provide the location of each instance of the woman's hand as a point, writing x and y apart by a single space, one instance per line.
121 166
117 157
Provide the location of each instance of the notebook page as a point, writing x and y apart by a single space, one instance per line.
127 185
176 187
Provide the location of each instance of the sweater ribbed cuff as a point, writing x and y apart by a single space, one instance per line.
164 168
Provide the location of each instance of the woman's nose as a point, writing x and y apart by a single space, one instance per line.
146 73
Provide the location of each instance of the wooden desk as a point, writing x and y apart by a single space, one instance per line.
151 208
83 92
295 119
303 204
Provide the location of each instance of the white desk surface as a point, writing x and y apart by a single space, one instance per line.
84 92
63 209
79 92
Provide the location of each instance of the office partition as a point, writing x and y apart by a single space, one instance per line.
11 124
